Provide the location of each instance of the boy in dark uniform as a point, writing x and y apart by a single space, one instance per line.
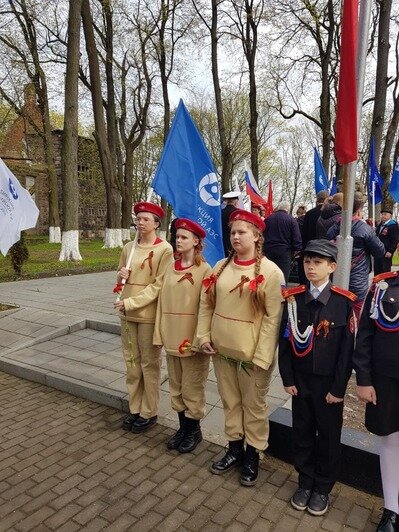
315 361
376 362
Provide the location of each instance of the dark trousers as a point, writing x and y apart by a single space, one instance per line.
282 259
316 427
382 265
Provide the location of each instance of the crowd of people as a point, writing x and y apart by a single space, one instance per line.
241 314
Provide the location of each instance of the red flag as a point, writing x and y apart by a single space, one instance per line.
346 122
269 205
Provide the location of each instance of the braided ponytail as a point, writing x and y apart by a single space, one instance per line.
212 291
257 299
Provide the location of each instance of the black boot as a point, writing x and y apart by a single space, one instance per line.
142 424
192 437
389 521
250 466
232 458
177 438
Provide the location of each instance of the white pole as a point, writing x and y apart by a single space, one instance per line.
133 248
373 201
345 240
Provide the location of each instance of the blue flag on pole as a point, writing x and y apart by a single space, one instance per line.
320 176
394 184
186 178
374 177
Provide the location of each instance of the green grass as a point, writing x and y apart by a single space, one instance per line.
43 260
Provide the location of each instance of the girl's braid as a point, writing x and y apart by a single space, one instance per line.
212 292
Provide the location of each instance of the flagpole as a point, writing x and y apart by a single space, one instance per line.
344 239
373 201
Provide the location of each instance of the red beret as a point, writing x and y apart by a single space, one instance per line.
146 206
246 216
184 223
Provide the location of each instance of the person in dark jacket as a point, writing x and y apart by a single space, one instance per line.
311 217
376 363
231 199
388 232
308 231
315 362
282 238
329 215
300 217
365 244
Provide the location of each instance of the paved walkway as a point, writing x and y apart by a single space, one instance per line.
66 465
65 334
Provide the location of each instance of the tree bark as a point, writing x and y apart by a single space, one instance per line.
113 234
69 152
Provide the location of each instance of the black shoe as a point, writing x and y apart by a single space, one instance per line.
300 499
192 437
389 521
250 467
141 424
232 458
129 420
177 438
318 504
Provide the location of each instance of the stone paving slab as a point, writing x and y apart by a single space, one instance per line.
66 465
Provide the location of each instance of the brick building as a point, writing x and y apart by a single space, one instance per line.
22 151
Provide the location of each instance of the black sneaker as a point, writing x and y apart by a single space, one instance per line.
389 521
318 504
300 499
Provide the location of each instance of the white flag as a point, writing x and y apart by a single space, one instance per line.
18 211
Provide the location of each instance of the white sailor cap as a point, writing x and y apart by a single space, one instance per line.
234 194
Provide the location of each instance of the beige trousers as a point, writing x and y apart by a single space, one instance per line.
187 380
143 367
244 402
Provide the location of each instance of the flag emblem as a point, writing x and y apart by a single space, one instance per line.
11 188
209 190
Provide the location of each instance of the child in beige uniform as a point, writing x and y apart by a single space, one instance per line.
238 324
143 280
175 324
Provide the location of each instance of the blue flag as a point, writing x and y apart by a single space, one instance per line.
374 177
186 178
394 184
333 189
320 177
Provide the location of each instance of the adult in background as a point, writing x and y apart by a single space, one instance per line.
309 229
311 217
238 324
330 214
388 232
376 363
282 238
175 325
231 200
300 217
143 276
365 245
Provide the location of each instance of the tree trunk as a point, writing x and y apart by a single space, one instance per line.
381 82
113 233
69 152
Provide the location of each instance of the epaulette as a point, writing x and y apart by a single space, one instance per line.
343 292
384 275
287 292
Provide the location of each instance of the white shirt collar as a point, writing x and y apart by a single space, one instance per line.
320 288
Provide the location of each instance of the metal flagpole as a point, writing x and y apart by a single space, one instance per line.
373 201
345 240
